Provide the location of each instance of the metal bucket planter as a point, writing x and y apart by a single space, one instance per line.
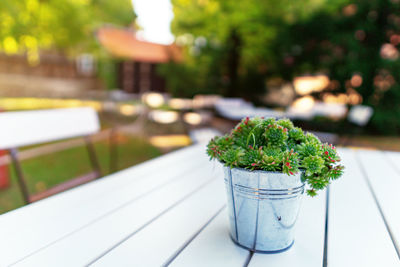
263 208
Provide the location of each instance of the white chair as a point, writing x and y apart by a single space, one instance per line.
22 128
360 114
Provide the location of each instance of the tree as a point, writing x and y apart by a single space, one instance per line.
357 46
234 38
28 26
234 46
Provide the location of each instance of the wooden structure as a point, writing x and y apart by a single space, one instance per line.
25 128
139 59
51 65
54 75
171 211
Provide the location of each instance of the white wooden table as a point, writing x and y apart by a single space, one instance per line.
171 211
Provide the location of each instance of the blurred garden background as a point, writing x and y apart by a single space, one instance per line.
331 66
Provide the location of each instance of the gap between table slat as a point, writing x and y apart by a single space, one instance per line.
247 262
177 177
176 254
325 258
365 175
390 160
152 220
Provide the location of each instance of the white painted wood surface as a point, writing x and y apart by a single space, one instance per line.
157 213
63 214
213 247
122 222
21 128
156 243
384 178
357 232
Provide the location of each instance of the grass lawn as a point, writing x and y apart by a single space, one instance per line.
48 170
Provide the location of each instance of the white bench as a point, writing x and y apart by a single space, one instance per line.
23 128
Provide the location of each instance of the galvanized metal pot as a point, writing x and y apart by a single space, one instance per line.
263 208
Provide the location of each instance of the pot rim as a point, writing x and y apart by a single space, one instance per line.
261 171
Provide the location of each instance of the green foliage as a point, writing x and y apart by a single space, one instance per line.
275 135
219 145
358 38
309 149
296 134
247 42
107 70
228 43
312 164
28 26
286 123
270 145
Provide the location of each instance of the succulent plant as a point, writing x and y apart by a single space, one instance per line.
277 145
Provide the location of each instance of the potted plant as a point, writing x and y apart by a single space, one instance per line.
267 165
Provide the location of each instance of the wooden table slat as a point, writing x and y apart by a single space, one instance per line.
384 178
120 224
47 221
155 244
394 159
213 247
357 233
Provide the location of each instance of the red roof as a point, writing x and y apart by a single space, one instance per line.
122 43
